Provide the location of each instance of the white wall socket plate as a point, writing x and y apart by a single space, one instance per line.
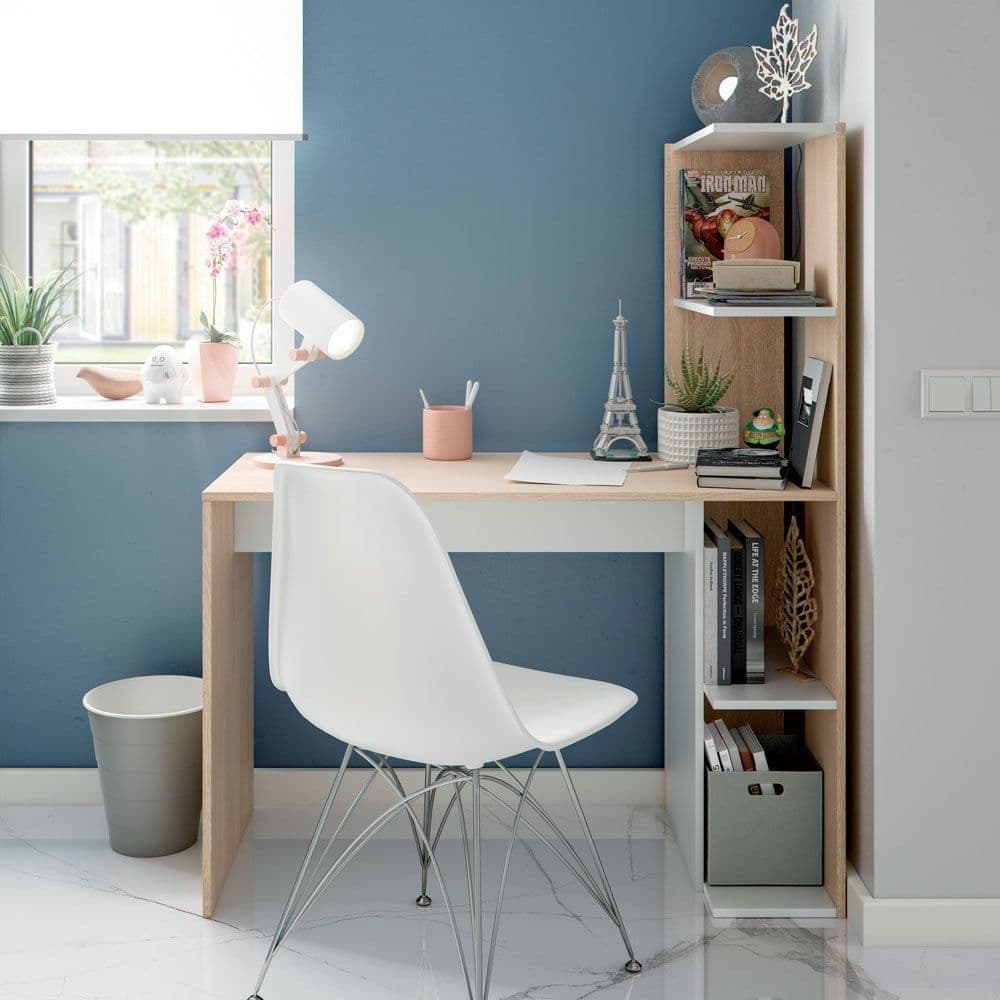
960 392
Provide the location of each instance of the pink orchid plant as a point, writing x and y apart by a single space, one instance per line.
229 229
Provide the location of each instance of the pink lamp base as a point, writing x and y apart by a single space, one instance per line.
270 459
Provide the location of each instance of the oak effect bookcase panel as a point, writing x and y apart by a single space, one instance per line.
756 344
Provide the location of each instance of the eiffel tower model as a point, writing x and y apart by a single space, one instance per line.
620 423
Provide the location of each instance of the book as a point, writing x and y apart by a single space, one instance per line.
760 463
710 202
720 297
746 758
722 747
711 754
725 608
754 577
739 483
730 744
815 387
711 611
738 601
753 745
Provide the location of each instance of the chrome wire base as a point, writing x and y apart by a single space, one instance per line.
501 787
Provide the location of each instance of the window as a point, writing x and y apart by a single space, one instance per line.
130 217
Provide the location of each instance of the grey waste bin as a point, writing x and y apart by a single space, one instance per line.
147 739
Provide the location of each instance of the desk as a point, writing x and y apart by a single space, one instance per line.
474 510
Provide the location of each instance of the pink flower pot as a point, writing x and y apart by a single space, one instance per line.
218 372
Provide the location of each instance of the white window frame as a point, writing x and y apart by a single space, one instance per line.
15 219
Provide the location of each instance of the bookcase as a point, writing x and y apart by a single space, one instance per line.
766 347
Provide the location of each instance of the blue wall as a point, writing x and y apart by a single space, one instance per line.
482 182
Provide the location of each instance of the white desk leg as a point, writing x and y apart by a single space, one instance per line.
683 690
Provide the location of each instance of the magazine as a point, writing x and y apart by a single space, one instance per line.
711 201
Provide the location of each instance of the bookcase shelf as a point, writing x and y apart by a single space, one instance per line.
780 691
734 137
706 308
801 902
757 346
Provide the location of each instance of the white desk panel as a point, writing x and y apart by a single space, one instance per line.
502 526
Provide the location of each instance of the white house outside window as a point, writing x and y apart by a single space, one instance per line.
130 216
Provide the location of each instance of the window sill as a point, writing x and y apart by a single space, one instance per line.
95 409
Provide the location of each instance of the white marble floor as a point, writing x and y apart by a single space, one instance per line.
81 923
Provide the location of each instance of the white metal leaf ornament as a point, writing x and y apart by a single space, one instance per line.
782 68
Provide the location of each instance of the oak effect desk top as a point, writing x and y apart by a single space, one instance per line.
482 478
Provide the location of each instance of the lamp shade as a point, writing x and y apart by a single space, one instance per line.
129 69
323 322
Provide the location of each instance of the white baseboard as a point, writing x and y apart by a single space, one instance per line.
920 922
276 788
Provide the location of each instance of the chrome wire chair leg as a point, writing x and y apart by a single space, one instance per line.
477 882
423 900
443 780
303 868
390 771
571 859
503 875
633 965
296 913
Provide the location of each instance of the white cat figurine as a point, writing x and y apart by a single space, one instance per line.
163 376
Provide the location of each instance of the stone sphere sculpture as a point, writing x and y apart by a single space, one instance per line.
726 89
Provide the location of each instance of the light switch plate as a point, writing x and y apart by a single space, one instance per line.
971 393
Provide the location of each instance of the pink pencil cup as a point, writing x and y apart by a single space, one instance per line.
447 433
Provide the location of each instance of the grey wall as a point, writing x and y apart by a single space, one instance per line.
916 90
482 182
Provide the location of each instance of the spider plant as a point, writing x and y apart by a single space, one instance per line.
31 314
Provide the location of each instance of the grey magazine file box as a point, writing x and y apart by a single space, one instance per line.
766 839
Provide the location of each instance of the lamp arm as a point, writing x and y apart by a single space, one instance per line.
286 429
287 439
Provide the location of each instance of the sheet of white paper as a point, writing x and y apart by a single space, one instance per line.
534 468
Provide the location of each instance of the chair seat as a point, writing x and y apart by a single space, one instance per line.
558 710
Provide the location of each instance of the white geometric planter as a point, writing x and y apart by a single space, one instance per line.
680 434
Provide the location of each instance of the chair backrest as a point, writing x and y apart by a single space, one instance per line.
370 632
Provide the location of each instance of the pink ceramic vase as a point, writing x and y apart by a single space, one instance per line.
218 372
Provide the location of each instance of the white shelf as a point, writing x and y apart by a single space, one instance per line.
706 308
793 901
252 409
779 691
752 136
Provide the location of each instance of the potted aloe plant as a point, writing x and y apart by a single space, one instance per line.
695 420
30 317
218 356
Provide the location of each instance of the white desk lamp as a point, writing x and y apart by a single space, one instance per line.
328 331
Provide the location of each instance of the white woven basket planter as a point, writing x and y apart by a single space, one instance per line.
680 434
27 375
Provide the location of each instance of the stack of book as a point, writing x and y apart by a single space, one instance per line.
789 298
734 603
736 749
741 469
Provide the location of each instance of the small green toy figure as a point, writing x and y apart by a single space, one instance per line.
765 429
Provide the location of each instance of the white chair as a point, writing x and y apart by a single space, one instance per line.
373 640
